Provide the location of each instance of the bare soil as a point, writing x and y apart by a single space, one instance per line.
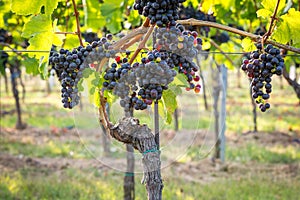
202 171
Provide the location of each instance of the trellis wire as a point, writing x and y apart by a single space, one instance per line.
201 53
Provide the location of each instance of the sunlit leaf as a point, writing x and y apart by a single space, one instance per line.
248 45
27 7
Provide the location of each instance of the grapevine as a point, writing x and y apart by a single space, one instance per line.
262 65
69 65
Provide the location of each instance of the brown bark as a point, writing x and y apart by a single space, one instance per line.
14 75
129 193
129 131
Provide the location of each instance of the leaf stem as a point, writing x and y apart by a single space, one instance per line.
77 22
256 38
268 33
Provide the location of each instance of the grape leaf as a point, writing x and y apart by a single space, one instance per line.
41 37
248 44
269 7
170 104
134 18
289 28
92 15
180 80
112 11
97 98
264 13
207 6
36 25
31 65
27 7
111 98
71 41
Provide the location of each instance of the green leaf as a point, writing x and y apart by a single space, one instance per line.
289 28
37 25
31 65
248 45
87 72
170 104
282 33
71 41
41 37
110 97
27 7
180 80
134 18
92 16
112 11
97 98
175 89
271 4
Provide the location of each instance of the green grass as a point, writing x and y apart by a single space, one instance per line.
251 152
263 154
90 184
49 112
70 149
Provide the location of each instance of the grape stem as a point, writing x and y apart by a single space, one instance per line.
268 33
136 32
76 13
142 43
103 114
256 38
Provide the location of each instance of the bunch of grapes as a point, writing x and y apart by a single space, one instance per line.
163 13
188 68
69 65
179 41
261 66
142 83
183 47
153 76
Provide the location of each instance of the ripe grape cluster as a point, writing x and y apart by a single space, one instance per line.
163 13
153 76
69 65
261 66
179 41
140 84
182 46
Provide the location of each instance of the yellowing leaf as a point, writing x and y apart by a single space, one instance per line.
27 7
207 6
271 4
205 45
248 44
264 13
